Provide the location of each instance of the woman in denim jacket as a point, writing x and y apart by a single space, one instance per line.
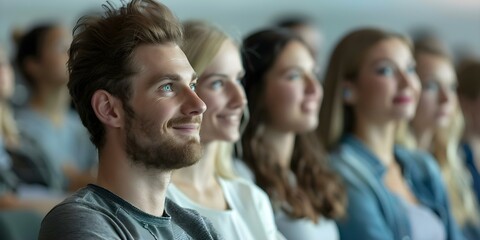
371 89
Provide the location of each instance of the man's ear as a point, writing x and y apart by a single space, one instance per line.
108 109
349 95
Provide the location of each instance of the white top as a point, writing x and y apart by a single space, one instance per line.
250 215
305 229
294 228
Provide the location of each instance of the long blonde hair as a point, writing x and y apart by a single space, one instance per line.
8 128
202 41
444 147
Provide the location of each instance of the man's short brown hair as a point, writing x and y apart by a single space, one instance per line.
102 50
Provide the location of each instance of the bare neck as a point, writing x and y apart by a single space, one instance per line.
423 137
201 175
378 138
282 143
142 187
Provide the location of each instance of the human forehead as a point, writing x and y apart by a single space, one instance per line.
393 49
227 60
165 58
294 54
437 65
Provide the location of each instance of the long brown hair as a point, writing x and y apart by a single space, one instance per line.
318 190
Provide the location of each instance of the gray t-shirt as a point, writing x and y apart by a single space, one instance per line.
96 213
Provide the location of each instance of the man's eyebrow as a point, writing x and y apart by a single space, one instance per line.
162 77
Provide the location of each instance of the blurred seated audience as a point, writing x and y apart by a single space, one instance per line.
437 128
469 98
51 134
371 90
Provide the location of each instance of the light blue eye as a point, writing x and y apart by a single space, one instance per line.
431 85
411 69
217 84
294 76
167 87
386 71
193 86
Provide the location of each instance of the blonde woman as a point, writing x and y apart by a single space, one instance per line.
238 209
370 87
437 127
469 98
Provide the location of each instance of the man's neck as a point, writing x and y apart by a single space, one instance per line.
201 175
142 187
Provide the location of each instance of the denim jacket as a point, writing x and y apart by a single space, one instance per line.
375 213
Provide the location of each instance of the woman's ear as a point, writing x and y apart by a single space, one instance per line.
348 92
109 109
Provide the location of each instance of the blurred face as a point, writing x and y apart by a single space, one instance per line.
438 96
221 90
6 77
162 120
52 64
471 114
387 87
292 92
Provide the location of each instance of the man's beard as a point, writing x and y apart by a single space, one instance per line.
146 146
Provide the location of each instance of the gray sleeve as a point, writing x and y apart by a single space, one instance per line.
76 221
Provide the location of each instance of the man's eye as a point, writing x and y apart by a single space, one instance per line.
167 87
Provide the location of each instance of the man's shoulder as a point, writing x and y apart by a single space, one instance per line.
190 221
80 216
85 203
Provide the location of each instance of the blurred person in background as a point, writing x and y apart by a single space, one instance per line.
468 91
305 28
437 128
371 87
48 127
20 216
280 151
237 208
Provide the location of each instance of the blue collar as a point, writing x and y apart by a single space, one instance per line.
369 157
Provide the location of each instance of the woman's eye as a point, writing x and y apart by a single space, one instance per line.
167 87
453 87
431 85
412 69
193 86
386 71
217 84
294 76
